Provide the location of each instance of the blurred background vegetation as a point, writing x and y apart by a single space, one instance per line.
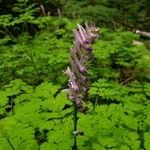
112 13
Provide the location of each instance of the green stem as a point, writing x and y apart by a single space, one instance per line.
3 32
13 148
96 100
75 120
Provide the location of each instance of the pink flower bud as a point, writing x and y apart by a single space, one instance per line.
78 103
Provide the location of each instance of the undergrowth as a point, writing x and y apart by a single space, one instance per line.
35 113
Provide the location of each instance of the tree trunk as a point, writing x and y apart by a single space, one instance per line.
143 33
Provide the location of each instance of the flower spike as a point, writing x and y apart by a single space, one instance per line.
81 53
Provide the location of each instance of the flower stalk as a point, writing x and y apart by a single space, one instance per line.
79 82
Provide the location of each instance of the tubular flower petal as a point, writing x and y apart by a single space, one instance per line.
73 86
82 33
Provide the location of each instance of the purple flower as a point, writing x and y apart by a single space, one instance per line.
81 53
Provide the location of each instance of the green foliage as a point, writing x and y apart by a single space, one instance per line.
44 56
35 114
37 119
113 13
147 140
130 14
22 13
120 80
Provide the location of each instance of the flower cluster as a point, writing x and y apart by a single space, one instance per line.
81 55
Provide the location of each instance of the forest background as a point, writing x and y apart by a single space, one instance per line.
35 38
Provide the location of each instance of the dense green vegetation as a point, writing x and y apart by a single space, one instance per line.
34 51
